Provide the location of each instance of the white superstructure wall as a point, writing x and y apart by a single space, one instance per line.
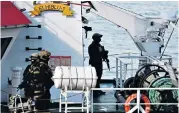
61 35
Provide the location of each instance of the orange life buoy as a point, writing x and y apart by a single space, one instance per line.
132 97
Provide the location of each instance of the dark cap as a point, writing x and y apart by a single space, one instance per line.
96 35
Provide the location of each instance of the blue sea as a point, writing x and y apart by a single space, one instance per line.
118 41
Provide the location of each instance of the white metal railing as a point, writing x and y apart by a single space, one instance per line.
127 65
138 104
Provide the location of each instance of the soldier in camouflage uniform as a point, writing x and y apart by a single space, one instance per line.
46 74
37 80
27 76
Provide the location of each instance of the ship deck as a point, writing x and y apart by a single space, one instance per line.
107 98
106 105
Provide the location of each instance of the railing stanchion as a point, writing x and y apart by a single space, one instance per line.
117 73
92 102
138 100
121 77
125 71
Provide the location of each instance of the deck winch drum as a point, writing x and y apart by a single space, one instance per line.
74 78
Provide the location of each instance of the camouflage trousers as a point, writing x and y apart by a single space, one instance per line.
42 99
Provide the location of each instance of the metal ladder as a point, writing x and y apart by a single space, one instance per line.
15 102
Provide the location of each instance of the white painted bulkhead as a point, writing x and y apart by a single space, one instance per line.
61 35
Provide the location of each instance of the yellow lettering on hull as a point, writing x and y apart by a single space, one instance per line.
65 9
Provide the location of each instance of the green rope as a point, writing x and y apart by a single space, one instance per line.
163 82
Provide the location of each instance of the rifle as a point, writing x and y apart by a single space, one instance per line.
24 83
105 57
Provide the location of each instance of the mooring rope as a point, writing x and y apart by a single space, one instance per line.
155 96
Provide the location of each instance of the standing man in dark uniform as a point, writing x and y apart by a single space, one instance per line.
95 51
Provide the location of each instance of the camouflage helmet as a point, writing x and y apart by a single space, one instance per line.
34 56
44 55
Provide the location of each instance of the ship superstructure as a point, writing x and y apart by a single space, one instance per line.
61 34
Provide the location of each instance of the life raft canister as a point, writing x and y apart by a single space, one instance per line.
132 97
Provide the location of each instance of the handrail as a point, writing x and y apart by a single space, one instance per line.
138 104
122 65
135 88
